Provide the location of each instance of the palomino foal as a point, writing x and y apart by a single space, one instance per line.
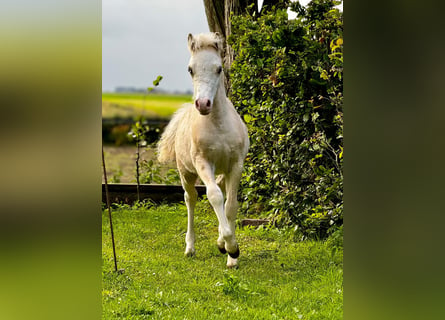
209 140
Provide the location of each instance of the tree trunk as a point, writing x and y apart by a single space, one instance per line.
218 18
215 15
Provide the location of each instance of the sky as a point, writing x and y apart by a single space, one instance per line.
142 39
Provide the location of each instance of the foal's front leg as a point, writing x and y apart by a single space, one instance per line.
226 241
231 205
220 181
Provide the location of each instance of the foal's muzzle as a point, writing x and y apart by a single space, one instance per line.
203 105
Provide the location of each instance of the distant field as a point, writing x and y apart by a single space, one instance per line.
132 105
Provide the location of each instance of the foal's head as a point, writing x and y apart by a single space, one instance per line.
205 67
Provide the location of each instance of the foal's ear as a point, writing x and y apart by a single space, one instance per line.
218 44
191 42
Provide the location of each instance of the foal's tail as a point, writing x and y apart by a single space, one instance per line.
166 145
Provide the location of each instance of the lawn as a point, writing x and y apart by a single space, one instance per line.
139 104
279 276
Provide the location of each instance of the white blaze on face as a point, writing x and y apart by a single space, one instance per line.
205 69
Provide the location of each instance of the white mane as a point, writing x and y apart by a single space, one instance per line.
204 41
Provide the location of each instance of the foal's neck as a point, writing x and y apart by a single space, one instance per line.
220 101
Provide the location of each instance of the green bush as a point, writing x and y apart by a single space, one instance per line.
151 173
287 85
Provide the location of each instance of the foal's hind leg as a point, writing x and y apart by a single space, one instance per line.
190 196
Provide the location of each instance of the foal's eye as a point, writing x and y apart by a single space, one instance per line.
190 71
219 69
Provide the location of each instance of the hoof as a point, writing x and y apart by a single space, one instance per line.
232 263
222 250
235 254
190 254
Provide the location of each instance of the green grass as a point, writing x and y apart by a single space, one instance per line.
278 277
137 104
